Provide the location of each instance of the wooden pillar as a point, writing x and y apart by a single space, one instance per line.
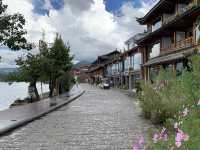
177 7
175 38
195 34
146 74
149 28
130 82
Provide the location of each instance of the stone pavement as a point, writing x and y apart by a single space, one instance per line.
18 116
98 120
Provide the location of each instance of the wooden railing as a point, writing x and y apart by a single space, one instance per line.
186 43
168 19
172 17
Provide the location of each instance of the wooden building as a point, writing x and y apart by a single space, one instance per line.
132 67
114 70
98 69
125 70
172 35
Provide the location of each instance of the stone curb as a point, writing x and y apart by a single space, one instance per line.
21 123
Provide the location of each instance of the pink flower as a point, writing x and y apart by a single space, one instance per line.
163 134
180 137
141 141
185 137
140 145
165 137
136 148
156 137
160 136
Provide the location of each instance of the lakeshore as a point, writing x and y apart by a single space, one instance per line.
17 90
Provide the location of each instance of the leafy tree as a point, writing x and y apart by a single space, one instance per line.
60 64
30 70
52 65
11 29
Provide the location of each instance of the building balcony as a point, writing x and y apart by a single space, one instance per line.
179 12
186 43
168 19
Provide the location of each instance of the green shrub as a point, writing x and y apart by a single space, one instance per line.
66 81
162 100
138 87
148 99
166 104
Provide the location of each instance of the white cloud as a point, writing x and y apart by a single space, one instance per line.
147 5
47 5
8 58
90 29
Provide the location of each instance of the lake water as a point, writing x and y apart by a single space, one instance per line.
10 93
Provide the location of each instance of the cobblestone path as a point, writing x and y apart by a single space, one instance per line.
98 120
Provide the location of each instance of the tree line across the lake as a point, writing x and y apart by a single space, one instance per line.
50 65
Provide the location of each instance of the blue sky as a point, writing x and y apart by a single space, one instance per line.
111 5
115 5
39 6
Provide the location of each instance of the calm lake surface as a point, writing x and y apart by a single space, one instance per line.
10 93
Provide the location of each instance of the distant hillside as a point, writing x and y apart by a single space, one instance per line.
81 63
6 71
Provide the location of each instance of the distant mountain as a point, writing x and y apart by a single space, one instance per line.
6 71
81 63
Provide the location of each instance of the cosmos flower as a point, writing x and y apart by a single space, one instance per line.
140 145
181 137
160 136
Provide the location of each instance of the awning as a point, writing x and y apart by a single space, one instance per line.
169 57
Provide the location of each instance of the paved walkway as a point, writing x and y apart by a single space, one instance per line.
17 116
98 120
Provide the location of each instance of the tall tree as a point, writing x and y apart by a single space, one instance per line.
11 29
61 63
30 70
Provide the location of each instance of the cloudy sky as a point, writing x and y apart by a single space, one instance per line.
92 27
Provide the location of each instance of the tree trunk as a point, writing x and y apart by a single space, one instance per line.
41 90
33 84
50 86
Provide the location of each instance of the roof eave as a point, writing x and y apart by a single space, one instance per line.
141 21
144 19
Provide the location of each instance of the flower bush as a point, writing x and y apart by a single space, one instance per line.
175 105
185 136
